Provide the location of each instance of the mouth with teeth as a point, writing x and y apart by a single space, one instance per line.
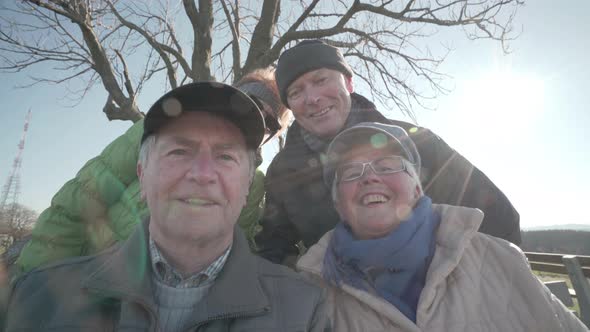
374 199
198 202
322 112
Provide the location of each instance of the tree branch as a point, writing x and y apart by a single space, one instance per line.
235 42
202 23
128 84
259 54
127 45
158 47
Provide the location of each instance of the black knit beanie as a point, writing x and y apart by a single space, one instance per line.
306 56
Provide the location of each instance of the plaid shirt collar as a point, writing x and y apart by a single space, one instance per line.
166 274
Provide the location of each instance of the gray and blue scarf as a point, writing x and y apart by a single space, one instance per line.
393 267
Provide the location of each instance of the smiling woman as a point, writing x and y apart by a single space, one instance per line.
427 268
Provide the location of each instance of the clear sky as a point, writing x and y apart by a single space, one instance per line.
522 118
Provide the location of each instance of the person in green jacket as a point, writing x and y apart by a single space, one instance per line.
102 204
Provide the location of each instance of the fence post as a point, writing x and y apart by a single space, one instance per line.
581 286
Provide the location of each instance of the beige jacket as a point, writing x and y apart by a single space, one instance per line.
475 283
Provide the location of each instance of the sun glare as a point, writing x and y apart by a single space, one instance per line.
502 102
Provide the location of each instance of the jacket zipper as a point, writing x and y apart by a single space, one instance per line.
227 316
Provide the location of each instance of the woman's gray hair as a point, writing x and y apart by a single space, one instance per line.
409 168
150 141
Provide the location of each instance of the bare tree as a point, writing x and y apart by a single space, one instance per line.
125 44
17 221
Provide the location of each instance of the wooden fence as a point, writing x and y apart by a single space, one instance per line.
577 268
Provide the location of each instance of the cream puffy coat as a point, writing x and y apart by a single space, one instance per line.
475 283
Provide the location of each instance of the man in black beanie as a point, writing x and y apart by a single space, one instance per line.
315 82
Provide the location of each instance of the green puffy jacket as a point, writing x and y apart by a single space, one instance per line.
102 205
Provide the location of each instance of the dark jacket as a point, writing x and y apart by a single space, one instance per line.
113 291
299 204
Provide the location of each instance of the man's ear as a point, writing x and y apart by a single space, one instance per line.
139 170
349 85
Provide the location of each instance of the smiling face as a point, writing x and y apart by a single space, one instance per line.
196 179
374 205
320 101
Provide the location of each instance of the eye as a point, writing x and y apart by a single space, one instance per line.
388 165
178 152
293 94
321 80
349 172
227 157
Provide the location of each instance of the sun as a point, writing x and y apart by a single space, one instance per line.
501 102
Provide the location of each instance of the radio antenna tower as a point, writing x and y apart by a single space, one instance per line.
11 190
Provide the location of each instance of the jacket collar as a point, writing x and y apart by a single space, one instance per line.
237 290
457 227
125 272
126 275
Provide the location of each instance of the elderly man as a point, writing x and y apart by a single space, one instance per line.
397 262
315 82
187 267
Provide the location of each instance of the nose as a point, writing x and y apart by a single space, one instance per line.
369 175
202 169
311 96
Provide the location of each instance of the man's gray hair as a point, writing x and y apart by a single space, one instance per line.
144 150
150 141
409 168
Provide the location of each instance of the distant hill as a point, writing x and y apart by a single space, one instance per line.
574 227
559 241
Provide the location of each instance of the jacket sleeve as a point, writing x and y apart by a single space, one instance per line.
249 220
78 222
278 237
321 321
449 178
